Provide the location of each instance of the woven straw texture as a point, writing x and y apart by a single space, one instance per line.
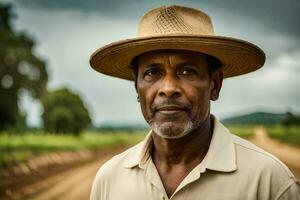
183 28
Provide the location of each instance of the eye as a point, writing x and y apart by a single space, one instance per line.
152 73
188 71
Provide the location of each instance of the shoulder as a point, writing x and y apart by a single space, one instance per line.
264 168
249 152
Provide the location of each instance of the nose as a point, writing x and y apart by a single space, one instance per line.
170 86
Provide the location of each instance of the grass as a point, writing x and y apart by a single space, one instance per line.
16 148
289 135
243 131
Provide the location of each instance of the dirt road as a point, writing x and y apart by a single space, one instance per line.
76 183
72 184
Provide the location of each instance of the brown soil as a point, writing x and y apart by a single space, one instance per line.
76 182
65 182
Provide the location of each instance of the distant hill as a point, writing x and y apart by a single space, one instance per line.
256 118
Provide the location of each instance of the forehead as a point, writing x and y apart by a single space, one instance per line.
160 56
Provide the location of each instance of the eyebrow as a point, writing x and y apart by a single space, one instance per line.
178 65
152 65
182 64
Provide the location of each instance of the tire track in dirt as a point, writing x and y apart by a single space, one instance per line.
74 183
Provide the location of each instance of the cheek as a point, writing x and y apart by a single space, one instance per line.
199 97
147 96
203 106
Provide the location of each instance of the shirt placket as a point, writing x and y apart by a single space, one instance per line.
153 177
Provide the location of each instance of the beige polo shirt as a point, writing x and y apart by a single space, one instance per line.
233 169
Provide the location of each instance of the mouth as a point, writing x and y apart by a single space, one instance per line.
171 109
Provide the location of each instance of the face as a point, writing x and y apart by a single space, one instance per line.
174 89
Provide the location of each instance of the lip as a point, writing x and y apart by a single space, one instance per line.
170 110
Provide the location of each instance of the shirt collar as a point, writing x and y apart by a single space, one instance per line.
139 154
221 154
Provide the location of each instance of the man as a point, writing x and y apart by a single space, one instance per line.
178 65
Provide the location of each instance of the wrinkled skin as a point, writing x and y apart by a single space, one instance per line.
174 88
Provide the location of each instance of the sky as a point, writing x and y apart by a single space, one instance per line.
67 32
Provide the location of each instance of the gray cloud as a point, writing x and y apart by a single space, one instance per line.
277 15
281 16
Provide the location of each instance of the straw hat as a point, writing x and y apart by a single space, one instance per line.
177 27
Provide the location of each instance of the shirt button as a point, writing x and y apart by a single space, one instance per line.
164 198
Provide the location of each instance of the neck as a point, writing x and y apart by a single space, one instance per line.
186 150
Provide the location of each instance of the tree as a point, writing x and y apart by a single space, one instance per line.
20 69
64 112
291 119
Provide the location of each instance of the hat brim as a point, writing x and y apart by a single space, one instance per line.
237 56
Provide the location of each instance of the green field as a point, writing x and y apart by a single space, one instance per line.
243 131
16 148
289 135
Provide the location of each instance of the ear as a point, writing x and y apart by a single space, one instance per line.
216 84
134 75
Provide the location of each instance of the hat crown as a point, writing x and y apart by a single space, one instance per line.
175 20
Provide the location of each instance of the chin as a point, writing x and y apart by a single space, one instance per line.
171 130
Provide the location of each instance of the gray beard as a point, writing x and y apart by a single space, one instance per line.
168 131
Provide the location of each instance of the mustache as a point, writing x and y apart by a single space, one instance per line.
170 103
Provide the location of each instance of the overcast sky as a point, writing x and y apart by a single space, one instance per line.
68 31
